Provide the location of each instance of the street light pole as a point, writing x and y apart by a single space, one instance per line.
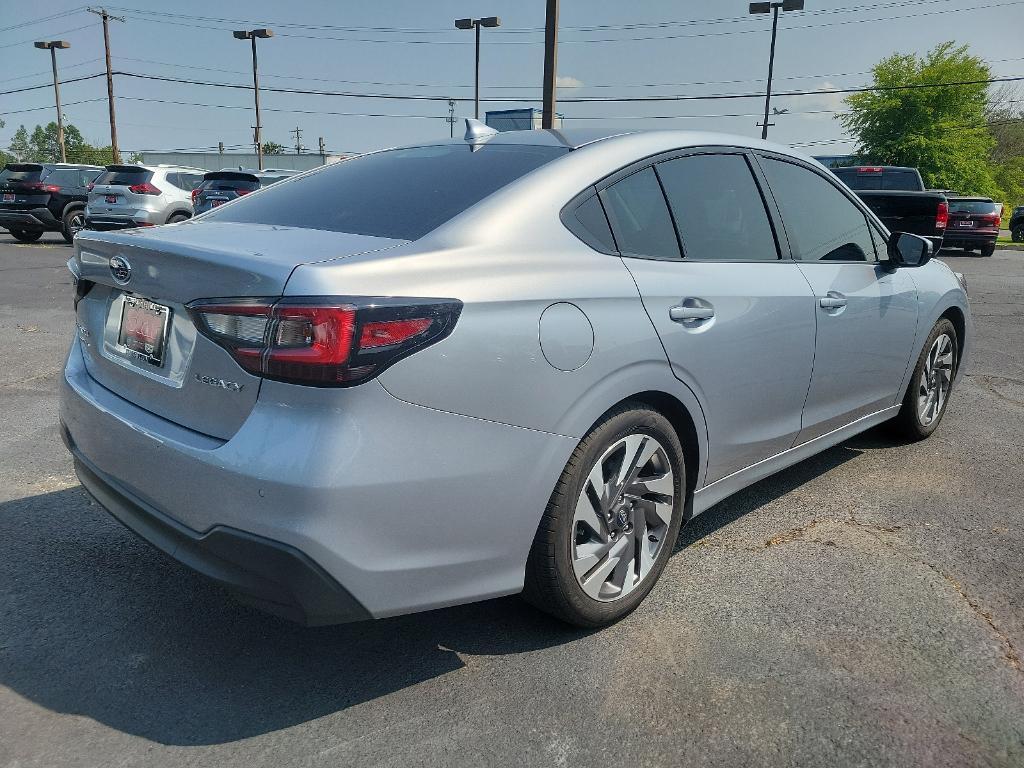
487 21
52 46
252 34
773 7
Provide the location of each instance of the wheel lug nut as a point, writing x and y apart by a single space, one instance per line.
653 539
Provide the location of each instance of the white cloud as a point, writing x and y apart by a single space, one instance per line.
568 82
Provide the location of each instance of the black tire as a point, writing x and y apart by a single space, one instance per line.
988 249
26 235
175 218
72 223
908 423
1017 235
551 584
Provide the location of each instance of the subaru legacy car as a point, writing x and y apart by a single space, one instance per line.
517 362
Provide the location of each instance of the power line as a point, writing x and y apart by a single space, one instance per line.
51 17
52 34
50 106
63 68
50 85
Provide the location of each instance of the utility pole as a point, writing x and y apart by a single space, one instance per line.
298 139
323 152
451 117
102 12
52 46
550 64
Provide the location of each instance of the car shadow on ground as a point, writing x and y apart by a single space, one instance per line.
95 623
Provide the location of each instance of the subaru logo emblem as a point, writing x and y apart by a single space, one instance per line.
623 517
121 270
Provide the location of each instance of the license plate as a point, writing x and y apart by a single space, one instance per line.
8 197
143 331
111 198
218 202
966 223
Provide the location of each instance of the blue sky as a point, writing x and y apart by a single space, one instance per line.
409 47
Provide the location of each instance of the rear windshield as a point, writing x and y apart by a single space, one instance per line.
400 193
125 176
21 173
896 181
972 206
224 181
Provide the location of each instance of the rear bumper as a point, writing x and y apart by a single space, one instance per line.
403 508
959 238
33 218
106 222
268 574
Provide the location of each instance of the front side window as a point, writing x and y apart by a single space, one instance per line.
400 193
718 208
639 217
821 222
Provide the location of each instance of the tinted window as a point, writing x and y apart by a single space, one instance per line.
70 177
401 193
896 180
822 223
972 206
124 176
591 225
22 173
639 216
189 181
718 208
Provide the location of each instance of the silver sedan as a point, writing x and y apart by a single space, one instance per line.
516 362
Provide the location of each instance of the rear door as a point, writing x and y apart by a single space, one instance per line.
866 316
736 319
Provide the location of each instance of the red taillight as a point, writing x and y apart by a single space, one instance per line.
38 186
144 189
194 193
323 341
869 169
942 215
243 191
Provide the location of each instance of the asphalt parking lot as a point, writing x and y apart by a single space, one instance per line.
865 607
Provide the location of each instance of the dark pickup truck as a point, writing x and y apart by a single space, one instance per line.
899 198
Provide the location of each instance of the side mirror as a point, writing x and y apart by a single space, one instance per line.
907 250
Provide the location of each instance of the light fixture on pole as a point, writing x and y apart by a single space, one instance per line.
487 21
773 8
252 34
52 46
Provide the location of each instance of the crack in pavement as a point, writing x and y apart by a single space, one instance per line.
1010 653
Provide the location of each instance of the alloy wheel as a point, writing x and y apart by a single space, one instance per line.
76 223
936 379
622 516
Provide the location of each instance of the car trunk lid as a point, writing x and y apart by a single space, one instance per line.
138 337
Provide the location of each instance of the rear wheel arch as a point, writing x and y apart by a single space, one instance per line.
682 422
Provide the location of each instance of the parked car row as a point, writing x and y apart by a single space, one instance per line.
949 220
66 197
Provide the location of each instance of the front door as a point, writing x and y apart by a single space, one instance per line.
866 316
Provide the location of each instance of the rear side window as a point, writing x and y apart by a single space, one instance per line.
639 217
70 177
590 225
189 181
718 208
400 193
125 176
822 223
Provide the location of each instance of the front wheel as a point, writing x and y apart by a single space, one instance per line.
1017 235
928 393
73 222
26 235
612 520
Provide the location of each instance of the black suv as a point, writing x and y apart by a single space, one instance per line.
44 197
1016 226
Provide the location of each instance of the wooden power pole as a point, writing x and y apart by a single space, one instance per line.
550 64
102 13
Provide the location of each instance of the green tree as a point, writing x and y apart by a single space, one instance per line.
942 131
1007 125
19 147
273 148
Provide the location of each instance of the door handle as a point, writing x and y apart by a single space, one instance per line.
680 313
832 300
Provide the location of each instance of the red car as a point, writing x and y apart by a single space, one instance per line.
973 224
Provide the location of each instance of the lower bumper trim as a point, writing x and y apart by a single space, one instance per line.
267 574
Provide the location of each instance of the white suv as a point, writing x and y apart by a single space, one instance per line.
141 196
